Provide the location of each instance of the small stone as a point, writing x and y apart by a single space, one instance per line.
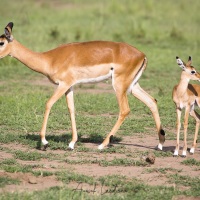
32 180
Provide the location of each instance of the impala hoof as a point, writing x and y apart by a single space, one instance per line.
45 144
100 147
159 147
71 146
184 154
192 150
175 153
44 141
44 148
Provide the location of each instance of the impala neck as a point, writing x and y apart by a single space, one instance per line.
33 60
183 84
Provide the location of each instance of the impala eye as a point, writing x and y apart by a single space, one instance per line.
1 43
193 72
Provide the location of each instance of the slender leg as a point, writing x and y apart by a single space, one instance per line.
124 111
178 127
143 96
187 109
70 102
194 114
57 94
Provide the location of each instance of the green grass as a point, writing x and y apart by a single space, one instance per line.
12 166
8 181
122 162
187 181
161 29
53 193
67 176
191 162
27 155
162 170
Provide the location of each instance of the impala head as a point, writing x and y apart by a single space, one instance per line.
188 69
5 40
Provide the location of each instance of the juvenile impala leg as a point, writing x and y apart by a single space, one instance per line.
194 114
184 153
70 102
57 94
178 127
143 96
124 111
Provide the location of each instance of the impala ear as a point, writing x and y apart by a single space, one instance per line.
189 61
180 63
8 31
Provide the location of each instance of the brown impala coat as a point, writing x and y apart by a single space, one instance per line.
74 63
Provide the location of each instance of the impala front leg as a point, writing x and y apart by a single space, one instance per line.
70 103
58 93
178 127
187 109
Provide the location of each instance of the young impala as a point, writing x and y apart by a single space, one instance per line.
186 96
85 62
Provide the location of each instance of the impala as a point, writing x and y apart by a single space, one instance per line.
186 96
85 62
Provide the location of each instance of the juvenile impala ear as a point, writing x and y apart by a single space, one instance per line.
8 31
189 61
180 63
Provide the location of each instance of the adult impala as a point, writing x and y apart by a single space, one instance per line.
74 63
186 96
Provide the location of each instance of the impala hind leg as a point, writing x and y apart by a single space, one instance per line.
196 116
124 111
57 94
70 102
143 96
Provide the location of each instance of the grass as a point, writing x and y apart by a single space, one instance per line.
123 162
191 162
67 176
187 181
7 181
27 155
53 193
161 170
41 26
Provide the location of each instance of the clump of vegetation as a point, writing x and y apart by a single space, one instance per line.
191 162
7 181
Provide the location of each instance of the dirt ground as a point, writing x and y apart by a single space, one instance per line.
32 183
